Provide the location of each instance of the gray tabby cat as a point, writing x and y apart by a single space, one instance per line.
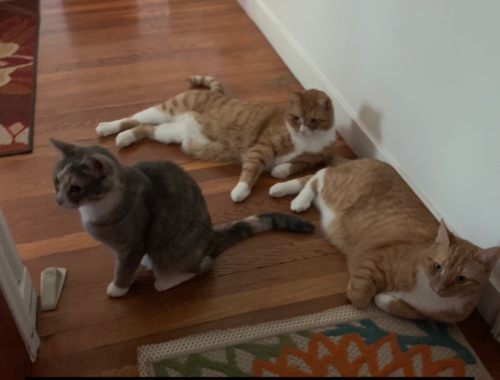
151 213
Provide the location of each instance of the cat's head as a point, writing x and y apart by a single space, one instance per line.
456 267
310 111
83 175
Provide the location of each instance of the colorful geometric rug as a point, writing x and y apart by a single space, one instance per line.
19 21
341 342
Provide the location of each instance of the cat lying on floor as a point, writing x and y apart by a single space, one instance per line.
151 213
396 250
216 127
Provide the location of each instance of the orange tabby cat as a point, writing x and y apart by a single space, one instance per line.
216 127
396 250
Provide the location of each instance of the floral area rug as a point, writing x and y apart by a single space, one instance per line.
341 342
19 21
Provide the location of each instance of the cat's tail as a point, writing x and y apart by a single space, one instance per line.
227 234
206 81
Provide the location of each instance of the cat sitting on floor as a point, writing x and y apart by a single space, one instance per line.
396 250
216 127
151 213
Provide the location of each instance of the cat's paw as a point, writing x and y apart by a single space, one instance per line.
108 128
240 192
300 203
114 291
285 188
125 139
281 171
383 300
146 262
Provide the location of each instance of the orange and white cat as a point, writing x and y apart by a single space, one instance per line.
216 127
397 253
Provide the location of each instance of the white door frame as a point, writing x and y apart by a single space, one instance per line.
18 291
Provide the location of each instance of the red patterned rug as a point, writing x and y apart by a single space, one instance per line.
19 21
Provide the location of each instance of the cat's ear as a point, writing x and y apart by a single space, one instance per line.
325 102
64 148
443 236
96 165
488 257
295 96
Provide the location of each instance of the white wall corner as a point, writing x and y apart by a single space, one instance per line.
348 123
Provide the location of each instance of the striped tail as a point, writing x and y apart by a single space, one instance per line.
227 234
206 81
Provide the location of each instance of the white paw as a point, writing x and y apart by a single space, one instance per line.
300 203
162 285
240 192
114 291
125 139
167 282
109 128
278 190
382 300
281 171
146 262
285 188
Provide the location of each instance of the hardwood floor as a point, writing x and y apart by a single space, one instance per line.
101 60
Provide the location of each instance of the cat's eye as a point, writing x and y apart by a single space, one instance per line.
295 118
75 189
313 121
462 279
438 267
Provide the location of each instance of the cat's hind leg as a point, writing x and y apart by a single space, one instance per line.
153 115
167 281
146 262
161 113
396 307
289 187
168 133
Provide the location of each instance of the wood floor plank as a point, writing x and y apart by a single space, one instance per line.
103 60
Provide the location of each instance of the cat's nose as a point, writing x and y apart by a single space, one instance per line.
59 200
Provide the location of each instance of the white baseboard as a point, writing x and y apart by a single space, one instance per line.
353 130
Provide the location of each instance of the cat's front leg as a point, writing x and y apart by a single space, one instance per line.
303 201
255 162
361 290
293 186
125 273
396 307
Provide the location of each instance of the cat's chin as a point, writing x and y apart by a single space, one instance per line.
441 294
69 206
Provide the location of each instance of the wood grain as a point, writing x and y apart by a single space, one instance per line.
100 61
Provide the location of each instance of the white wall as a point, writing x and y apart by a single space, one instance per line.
421 79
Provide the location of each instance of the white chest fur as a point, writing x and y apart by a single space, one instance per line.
314 143
92 212
426 300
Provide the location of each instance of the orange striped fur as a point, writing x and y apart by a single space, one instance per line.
397 252
213 126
